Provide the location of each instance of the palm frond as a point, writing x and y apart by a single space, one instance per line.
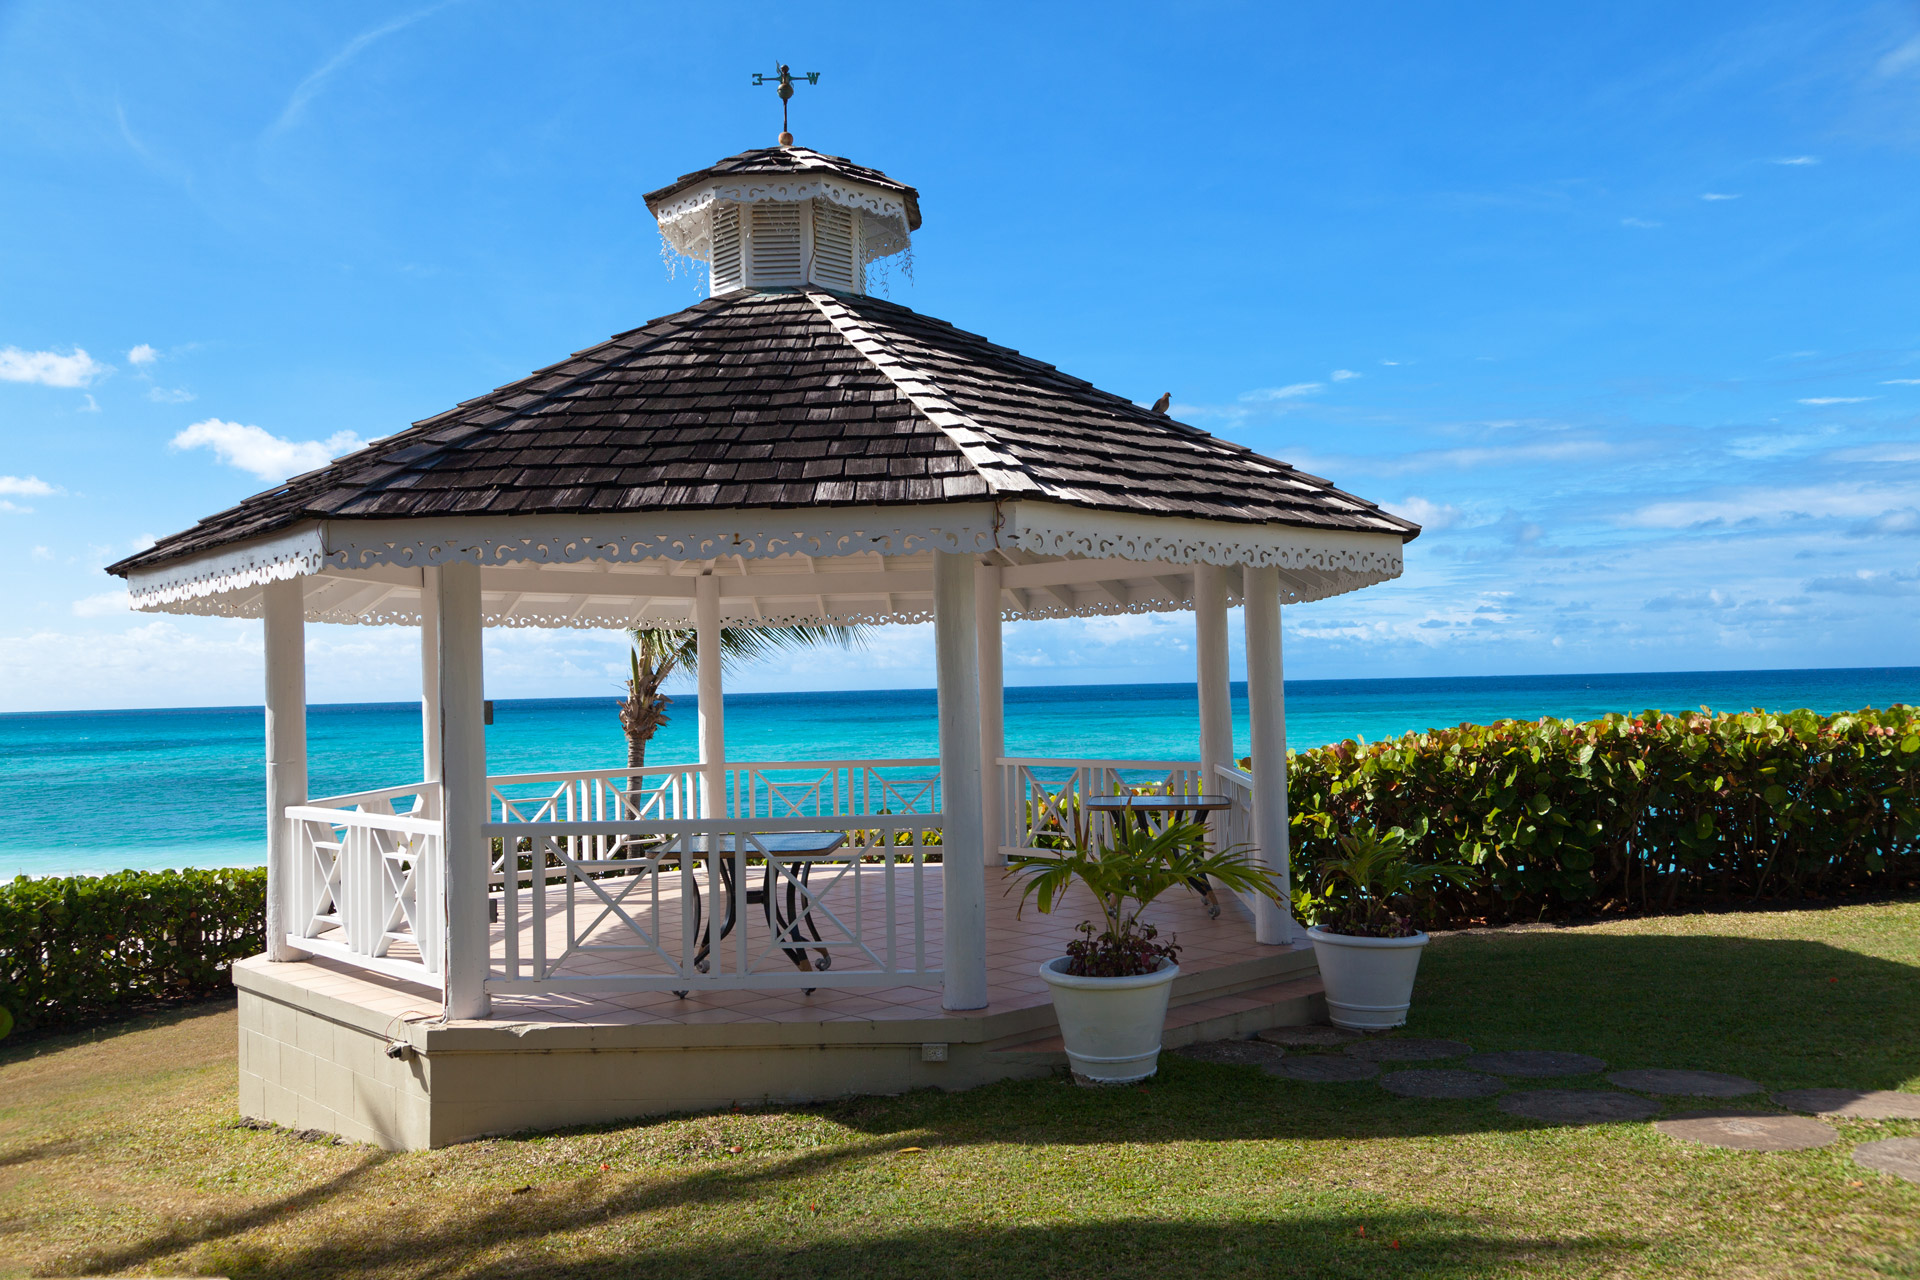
741 645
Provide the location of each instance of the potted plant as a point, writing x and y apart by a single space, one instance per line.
1367 950
1110 990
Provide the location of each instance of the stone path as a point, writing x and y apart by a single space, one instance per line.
1307 1037
1857 1104
1233 1052
1748 1130
1396 1049
1897 1156
1322 1068
1685 1084
1535 1063
1441 1082
1578 1106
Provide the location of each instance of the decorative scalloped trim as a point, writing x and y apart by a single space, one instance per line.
1374 564
276 561
753 543
686 224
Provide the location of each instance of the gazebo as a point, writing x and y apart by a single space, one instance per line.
467 953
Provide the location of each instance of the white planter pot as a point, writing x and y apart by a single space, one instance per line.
1111 1026
1369 981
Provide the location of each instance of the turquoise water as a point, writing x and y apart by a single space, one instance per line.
101 790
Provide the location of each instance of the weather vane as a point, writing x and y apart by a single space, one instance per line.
784 78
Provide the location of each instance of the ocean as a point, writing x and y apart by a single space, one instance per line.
95 791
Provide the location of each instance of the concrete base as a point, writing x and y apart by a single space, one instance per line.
329 1048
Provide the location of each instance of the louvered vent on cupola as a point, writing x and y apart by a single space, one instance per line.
726 247
774 245
836 263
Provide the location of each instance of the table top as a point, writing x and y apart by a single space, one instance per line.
1175 804
794 843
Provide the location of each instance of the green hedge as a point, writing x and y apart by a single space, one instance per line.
75 948
1631 813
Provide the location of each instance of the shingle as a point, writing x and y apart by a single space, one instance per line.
761 400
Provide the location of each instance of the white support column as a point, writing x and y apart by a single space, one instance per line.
962 848
283 606
430 682
993 733
713 716
1267 718
1210 656
467 862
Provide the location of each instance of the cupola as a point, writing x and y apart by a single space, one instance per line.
785 217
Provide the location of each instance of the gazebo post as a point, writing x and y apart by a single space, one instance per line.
1212 673
713 715
1267 720
963 874
430 686
993 733
429 895
284 611
467 860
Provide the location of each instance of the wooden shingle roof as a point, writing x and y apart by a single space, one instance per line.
790 399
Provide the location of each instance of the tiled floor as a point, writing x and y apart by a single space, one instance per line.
1016 946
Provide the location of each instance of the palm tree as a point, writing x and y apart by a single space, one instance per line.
656 655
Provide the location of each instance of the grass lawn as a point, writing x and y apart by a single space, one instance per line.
119 1150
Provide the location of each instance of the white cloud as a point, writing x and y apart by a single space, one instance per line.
179 395
103 605
259 452
142 354
91 405
1834 399
1488 456
1901 382
1771 505
309 88
1289 392
1390 362
1798 160
26 487
1900 59
1428 515
1718 195
1643 223
1341 375
43 553
49 368
14 508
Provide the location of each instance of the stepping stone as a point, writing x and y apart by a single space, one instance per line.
1685 1084
1536 1063
1440 1082
1858 1104
1897 1156
1748 1130
1399 1050
1322 1068
1578 1106
1233 1052
1307 1037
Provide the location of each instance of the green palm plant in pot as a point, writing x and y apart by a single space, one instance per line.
1110 990
1366 945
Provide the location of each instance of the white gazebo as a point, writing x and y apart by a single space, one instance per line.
467 953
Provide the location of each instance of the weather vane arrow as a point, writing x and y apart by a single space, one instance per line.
784 78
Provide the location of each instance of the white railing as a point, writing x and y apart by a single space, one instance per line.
1040 798
366 882
656 916
1233 829
820 788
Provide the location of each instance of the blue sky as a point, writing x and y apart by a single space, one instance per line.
1619 302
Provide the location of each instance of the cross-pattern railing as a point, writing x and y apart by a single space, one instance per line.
1040 798
653 918
366 882
802 788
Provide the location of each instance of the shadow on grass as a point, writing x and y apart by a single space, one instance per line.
793 1243
1789 1013
23 1046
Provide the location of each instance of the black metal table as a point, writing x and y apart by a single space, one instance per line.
1173 805
800 847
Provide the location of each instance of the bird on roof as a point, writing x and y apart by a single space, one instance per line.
1160 405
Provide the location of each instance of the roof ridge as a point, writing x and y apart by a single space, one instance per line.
999 466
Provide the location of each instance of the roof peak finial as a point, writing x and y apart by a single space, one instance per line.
784 78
